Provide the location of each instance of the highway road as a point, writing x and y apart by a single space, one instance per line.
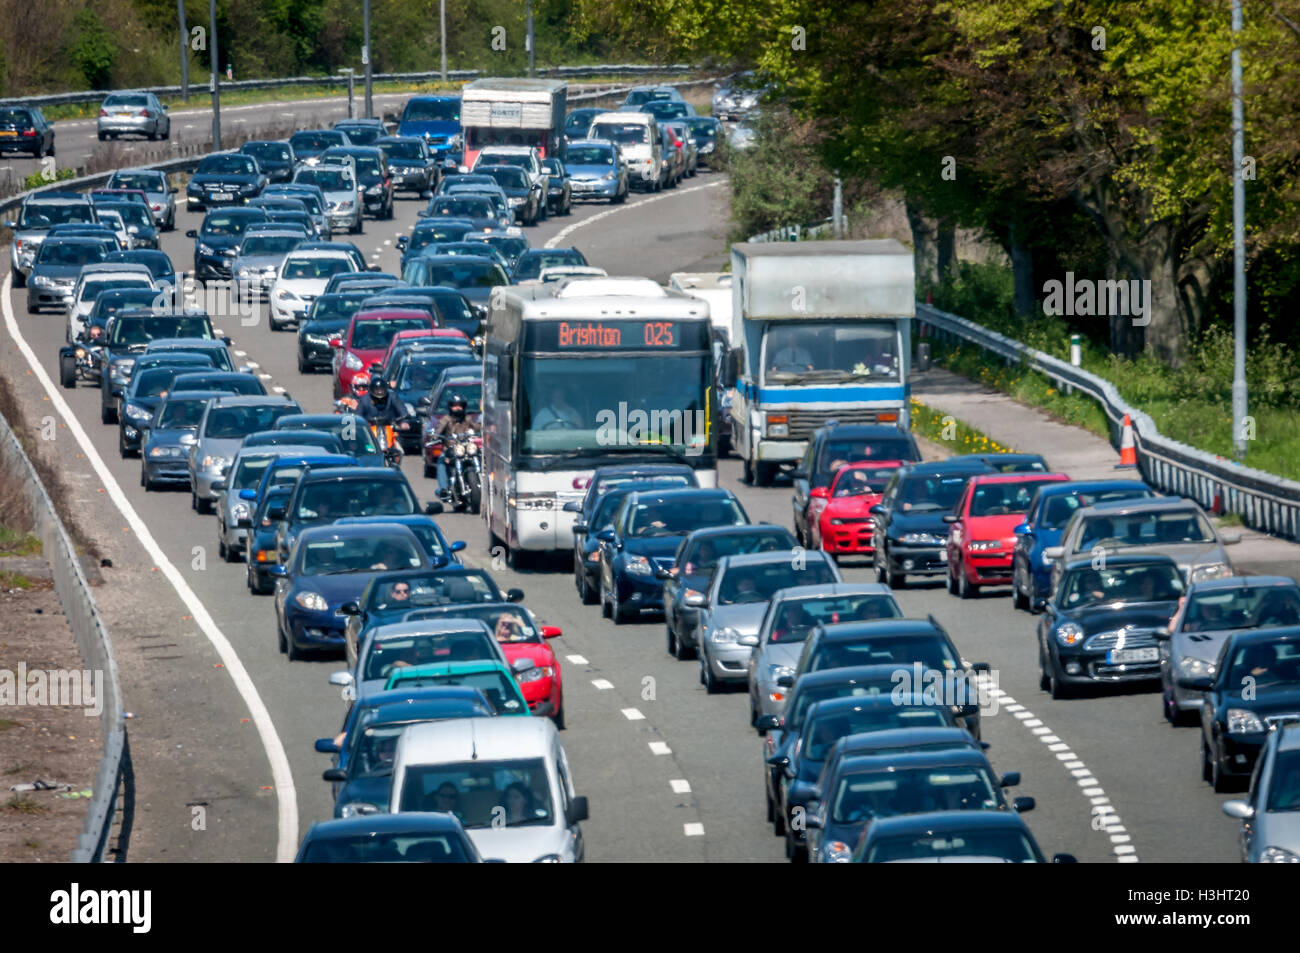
673 774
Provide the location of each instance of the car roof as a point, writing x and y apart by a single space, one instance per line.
947 821
1123 559
1288 736
1087 486
900 737
352 473
831 589
955 465
1139 506
395 630
1289 633
685 494
480 739
176 344
352 531
849 673
1019 476
883 628
425 822
1238 582
861 764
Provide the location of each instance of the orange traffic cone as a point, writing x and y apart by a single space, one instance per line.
1127 448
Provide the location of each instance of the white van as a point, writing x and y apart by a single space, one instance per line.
641 141
506 779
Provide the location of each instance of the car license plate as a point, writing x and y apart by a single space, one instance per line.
220 197
125 115
1122 656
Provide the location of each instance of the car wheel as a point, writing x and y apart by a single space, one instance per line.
1056 686
295 654
32 307
1168 705
951 580
1018 597
771 808
672 640
965 588
778 819
604 600
711 685
764 473
221 549
1219 779
107 412
102 137
122 448
894 580
878 565
1044 683
589 595
231 554
284 643
144 480
1206 772
558 717
796 853
68 371
20 280
617 612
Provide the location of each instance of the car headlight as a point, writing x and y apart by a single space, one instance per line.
1278 855
921 539
124 367
1196 667
214 462
549 859
516 202
536 674
1243 721
344 206
638 565
359 809
240 511
1069 633
374 190
1211 571
779 671
352 362
136 412
837 852
206 249
316 338
311 600
80 353
165 452
725 634
285 294
610 176
984 545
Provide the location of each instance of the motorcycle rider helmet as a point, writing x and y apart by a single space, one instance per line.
379 389
457 405
360 384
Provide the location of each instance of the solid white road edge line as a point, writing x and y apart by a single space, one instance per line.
567 230
286 794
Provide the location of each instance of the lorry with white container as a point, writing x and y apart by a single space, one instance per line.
822 331
513 112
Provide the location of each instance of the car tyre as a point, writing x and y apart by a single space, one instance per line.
951 580
1018 598
1056 686
604 601
558 717
617 612
68 371
965 589
1207 773
585 591
711 685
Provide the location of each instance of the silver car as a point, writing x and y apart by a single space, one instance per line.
135 114
1270 813
733 608
790 616
409 643
1209 613
226 422
342 193
261 253
245 473
40 213
1169 525
156 188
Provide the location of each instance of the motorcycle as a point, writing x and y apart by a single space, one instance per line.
81 360
464 456
386 437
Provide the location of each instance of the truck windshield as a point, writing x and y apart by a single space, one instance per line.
831 350
624 403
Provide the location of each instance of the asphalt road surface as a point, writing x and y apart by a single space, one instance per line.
673 774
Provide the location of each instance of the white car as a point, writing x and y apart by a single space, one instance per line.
100 277
513 789
525 157
113 219
342 193
302 278
557 272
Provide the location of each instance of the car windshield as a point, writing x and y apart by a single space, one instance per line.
823 731
228 165
421 371
404 149
510 247
432 110
219 358
804 698
1059 507
332 499
468 274
665 110
590 155
70 253
462 207
330 557
531 263
456 310
312 143
219 223
1242 607
798 617
680 517
1263 667
144 181
423 237
237 422
275 151
863 481
48 214
1284 791
352 433
93 287
181 414
482 793
269 244
309 199
315 268
131 213
927 493
242 384
1004 499
702 129
388 655
931 651
913 790
1009 846
377 333
825 350
1087 586
1145 529
152 382
329 180
433 589
512 178
623 133
508 624
142 330
383 847
249 472
758 583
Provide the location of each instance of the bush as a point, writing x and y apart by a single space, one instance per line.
38 179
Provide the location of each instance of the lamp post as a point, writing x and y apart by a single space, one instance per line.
213 59
1239 392
351 74
185 51
365 53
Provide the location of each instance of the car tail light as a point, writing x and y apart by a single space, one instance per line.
29 132
144 113
103 112
820 492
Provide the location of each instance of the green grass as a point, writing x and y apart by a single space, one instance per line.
13 580
948 431
22 804
17 543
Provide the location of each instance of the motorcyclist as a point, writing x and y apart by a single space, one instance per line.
453 425
359 387
380 405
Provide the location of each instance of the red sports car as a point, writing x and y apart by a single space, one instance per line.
982 539
543 689
843 525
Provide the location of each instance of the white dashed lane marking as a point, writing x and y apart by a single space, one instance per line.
658 747
602 684
693 830
681 786
631 714
576 659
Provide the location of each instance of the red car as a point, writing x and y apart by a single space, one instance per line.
982 539
542 685
843 524
366 341
419 334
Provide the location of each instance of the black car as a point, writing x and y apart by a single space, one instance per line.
217 240
527 202
457 310
328 315
142 397
224 179
1008 462
473 277
276 159
138 221
129 334
560 196
578 121
54 272
361 132
410 837
534 260
832 447
704 130
308 144
433 231
25 129
477 209
693 567
909 532
1256 682
411 165
373 176
1101 623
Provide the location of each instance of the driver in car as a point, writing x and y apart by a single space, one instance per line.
558 413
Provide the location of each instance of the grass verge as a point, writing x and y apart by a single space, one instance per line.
946 430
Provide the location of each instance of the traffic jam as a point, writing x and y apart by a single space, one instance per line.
578 419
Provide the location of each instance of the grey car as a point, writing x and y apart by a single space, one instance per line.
404 642
245 473
135 114
1270 813
40 213
164 448
683 132
159 192
790 616
56 269
1169 525
338 184
736 601
1207 615
227 420
261 253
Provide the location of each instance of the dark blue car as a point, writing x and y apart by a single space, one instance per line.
414 837
327 567
1051 509
284 471
644 537
357 440
952 836
262 554
436 547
